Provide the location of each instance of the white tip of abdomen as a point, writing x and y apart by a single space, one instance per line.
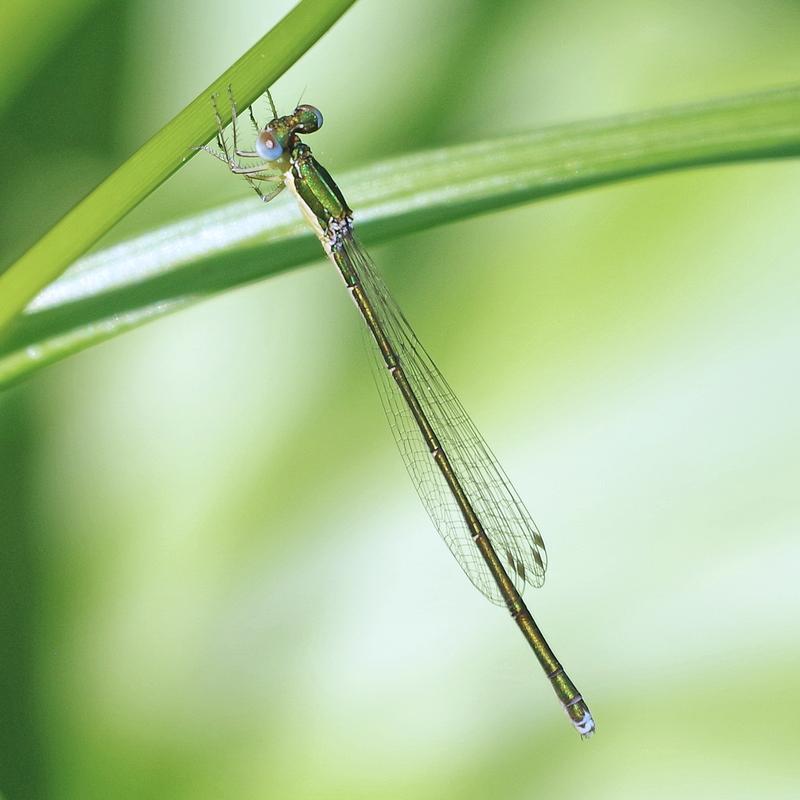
585 725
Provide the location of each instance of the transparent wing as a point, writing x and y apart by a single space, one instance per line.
509 526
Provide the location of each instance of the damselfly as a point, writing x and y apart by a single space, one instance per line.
467 494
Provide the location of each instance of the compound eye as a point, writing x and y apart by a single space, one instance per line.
309 118
267 146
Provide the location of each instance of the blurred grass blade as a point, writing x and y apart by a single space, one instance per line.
142 279
27 35
159 157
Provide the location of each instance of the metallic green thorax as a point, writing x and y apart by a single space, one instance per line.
315 187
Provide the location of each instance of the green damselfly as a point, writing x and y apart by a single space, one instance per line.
467 494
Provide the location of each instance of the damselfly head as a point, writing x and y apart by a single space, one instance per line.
279 137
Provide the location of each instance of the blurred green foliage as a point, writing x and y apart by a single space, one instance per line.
216 579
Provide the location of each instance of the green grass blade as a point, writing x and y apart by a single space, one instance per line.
159 157
142 279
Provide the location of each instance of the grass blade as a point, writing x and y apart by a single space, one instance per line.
144 278
164 153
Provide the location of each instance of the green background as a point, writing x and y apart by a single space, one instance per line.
216 579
